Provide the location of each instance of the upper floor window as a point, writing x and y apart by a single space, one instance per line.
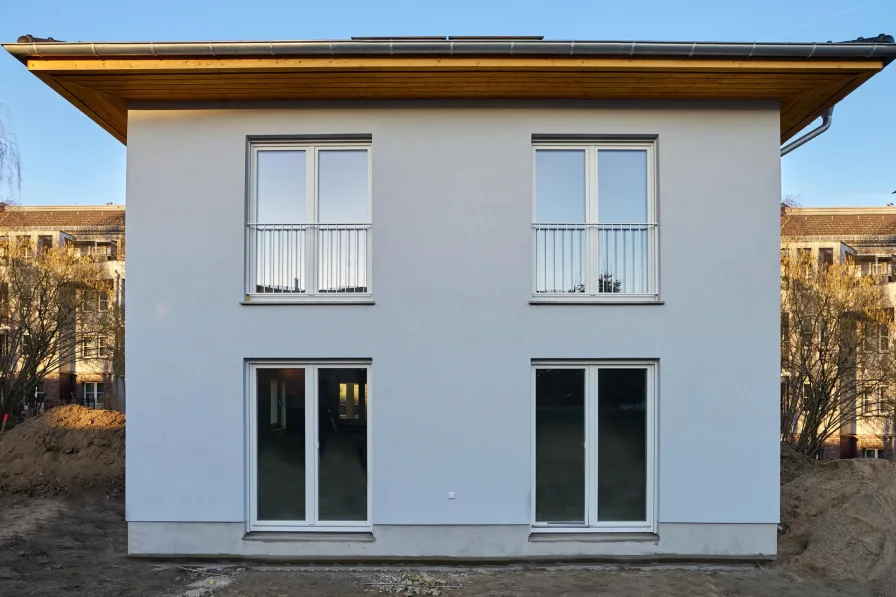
309 222
595 222
872 402
877 337
24 247
95 300
98 250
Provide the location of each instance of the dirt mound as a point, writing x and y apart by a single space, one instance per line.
793 464
840 520
66 448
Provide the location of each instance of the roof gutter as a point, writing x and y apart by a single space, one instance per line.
880 47
826 119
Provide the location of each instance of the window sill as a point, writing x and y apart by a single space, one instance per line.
307 300
311 536
597 300
590 536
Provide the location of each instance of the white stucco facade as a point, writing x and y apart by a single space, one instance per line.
451 335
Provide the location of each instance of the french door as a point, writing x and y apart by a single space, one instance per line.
308 445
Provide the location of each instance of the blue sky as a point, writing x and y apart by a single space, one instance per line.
67 159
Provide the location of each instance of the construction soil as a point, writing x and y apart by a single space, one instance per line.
65 450
62 532
840 520
75 546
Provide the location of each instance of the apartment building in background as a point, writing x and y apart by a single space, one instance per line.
451 298
865 236
98 232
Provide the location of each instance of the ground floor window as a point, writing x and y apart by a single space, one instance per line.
872 453
594 446
308 445
93 394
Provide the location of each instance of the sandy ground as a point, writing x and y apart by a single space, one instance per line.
75 546
69 447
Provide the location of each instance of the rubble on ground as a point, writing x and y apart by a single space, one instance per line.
409 583
67 448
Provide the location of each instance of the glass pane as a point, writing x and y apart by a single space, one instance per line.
342 186
622 445
560 206
559 446
279 247
280 187
281 444
342 455
560 186
622 186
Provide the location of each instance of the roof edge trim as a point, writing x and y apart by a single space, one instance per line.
865 49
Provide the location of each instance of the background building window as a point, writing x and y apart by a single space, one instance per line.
93 392
877 337
872 402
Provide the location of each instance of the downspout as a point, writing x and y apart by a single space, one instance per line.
825 125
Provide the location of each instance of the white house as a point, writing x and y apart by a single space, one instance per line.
463 298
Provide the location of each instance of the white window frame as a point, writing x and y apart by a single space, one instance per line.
101 303
311 524
590 265
592 524
873 403
877 453
312 292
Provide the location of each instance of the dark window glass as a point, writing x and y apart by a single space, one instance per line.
559 445
342 469
281 444
622 445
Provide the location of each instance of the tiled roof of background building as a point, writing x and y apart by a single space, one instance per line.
839 222
63 217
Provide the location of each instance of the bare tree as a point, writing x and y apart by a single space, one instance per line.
10 161
53 304
835 348
117 331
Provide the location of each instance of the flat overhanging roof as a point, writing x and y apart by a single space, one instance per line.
103 79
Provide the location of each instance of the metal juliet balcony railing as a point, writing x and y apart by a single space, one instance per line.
309 259
595 259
